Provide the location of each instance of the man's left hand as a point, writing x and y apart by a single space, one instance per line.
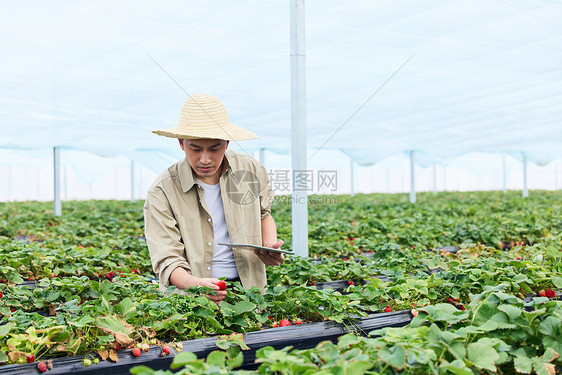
270 258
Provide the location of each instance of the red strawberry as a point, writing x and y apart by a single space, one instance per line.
284 323
30 358
136 352
1 295
518 258
542 293
350 282
110 275
222 285
387 309
463 308
449 300
117 347
42 366
270 318
550 293
274 324
345 259
166 349
297 322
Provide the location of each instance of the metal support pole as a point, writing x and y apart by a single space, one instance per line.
132 181
57 210
262 156
298 127
504 176
412 179
525 191
351 177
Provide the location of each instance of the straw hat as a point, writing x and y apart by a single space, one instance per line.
204 116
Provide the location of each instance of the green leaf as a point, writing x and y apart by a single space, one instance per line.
458 350
554 343
511 311
60 337
395 356
6 328
142 370
482 356
125 306
217 358
244 306
457 367
182 359
235 361
550 355
550 326
3 357
359 367
523 365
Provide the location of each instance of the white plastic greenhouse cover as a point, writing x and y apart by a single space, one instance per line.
440 77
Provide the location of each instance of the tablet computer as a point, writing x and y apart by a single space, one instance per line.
250 247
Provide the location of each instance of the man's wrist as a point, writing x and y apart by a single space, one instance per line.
191 281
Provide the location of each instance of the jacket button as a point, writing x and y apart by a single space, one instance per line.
208 268
209 220
209 243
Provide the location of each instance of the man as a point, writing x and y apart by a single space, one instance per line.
213 196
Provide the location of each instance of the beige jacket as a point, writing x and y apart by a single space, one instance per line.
178 227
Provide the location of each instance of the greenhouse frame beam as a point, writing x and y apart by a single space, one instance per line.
412 178
299 204
57 207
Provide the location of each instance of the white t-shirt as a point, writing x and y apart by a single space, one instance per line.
223 258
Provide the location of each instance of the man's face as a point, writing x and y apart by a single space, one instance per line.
205 157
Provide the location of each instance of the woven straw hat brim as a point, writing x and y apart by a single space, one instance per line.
227 133
203 116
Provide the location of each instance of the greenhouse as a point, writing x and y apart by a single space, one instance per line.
359 187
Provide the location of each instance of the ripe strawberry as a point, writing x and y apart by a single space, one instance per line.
145 347
117 347
463 308
542 293
1 295
166 349
222 285
110 275
270 317
297 322
387 309
345 259
42 366
550 293
414 313
284 323
274 324
350 282
30 358
136 352
518 258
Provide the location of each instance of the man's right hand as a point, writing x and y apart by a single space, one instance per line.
183 279
212 283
